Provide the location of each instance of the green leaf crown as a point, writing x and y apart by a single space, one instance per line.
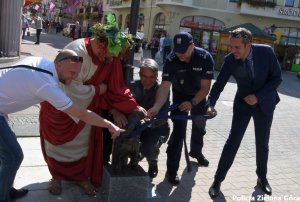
116 41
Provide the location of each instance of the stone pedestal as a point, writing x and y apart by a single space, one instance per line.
127 187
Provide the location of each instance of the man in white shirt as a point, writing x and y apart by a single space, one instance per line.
39 26
36 80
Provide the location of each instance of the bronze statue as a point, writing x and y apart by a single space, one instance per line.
127 145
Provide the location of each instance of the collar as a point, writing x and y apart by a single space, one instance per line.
250 56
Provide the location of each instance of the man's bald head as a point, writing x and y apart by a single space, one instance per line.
64 55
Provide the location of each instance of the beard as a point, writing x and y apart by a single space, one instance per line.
64 81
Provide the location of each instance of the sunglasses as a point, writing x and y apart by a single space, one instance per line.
73 59
240 35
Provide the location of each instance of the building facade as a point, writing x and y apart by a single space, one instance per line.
205 19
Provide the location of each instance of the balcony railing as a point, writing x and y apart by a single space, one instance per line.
258 3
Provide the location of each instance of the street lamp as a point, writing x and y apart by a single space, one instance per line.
134 13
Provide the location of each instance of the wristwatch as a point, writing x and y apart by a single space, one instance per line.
193 102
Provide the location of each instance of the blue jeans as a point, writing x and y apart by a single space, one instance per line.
11 157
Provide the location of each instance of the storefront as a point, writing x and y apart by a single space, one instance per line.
205 31
287 47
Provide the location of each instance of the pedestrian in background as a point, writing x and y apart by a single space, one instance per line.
161 41
40 82
25 26
257 73
189 70
39 26
154 45
167 47
77 31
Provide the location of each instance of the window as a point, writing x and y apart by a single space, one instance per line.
289 3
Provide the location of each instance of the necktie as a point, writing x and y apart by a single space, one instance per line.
249 67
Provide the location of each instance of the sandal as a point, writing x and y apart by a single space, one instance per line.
54 186
87 187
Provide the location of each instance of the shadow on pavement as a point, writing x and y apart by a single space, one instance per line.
257 195
220 198
183 191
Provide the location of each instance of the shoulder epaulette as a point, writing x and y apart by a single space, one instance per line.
202 53
171 56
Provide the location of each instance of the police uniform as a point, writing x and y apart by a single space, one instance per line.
186 82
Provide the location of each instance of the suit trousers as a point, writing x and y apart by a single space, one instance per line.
241 118
175 142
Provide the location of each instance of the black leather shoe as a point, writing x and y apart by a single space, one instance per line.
214 189
264 185
153 170
202 161
172 178
17 193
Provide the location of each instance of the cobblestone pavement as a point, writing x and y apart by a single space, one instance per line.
240 183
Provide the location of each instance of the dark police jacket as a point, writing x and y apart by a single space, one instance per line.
186 77
267 77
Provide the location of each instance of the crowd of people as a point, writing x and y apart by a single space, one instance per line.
85 102
40 24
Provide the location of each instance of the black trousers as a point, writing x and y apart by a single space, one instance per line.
241 116
175 142
153 52
38 33
152 139
23 32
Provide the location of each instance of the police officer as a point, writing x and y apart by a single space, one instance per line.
189 70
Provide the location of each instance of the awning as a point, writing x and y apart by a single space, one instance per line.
256 31
27 2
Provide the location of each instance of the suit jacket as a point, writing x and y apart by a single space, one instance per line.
267 77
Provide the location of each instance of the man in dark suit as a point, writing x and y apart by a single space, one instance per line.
257 73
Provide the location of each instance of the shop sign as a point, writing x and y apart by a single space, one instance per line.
185 29
193 24
289 12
